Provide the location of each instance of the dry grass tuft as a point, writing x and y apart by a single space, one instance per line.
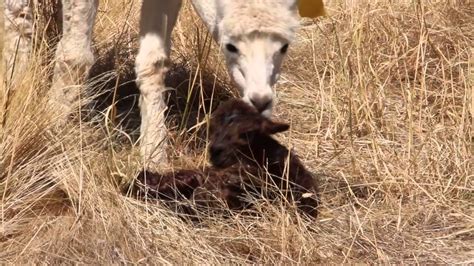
380 96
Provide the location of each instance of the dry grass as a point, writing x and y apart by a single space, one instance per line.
380 97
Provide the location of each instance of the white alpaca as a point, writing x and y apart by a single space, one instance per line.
254 35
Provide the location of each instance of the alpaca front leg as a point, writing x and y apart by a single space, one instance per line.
74 55
17 38
158 18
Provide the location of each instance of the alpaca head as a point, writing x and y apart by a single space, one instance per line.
234 127
255 36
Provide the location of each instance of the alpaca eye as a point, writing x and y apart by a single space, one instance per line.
284 49
229 119
247 136
243 136
231 48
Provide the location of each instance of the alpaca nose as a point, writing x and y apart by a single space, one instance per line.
262 103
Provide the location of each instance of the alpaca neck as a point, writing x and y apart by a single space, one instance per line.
267 153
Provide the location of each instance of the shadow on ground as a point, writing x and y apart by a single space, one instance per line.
194 95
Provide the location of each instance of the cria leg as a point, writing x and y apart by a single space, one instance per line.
73 55
158 18
18 30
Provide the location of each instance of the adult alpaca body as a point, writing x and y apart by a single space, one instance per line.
254 36
246 158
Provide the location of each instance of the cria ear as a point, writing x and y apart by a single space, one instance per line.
270 127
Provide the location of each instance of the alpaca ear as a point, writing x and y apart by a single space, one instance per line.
311 8
270 127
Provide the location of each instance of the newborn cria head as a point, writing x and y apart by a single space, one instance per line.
234 125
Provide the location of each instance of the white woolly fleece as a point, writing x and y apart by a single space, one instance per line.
242 17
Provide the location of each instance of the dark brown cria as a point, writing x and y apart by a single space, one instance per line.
169 186
214 185
243 155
